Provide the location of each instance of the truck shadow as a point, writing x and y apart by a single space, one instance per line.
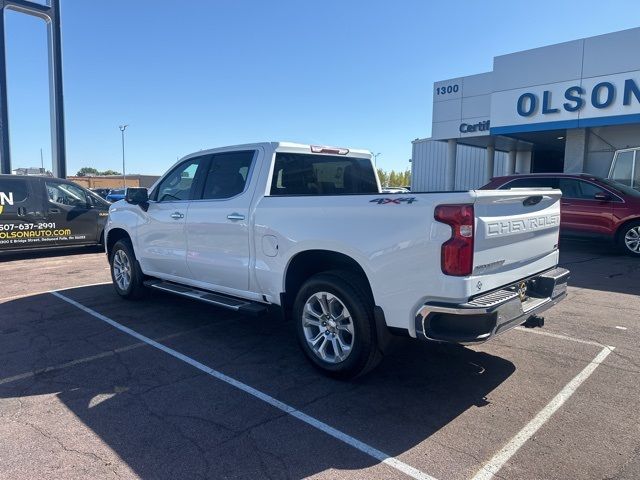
166 419
49 252
599 266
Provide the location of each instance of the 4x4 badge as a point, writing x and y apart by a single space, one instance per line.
396 201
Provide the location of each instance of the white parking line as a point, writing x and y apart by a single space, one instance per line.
559 336
309 420
502 457
98 356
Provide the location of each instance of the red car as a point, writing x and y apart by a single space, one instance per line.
591 206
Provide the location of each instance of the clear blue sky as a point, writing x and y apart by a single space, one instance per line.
348 73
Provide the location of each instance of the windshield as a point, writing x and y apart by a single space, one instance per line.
620 187
116 192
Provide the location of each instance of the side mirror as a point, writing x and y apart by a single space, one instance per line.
137 196
603 197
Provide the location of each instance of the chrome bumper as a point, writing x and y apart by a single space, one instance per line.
493 313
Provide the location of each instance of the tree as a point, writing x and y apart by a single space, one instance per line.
90 171
87 171
394 179
383 176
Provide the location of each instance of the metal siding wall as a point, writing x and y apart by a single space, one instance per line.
500 164
428 166
470 166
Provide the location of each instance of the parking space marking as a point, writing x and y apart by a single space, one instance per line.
559 336
287 409
91 358
502 457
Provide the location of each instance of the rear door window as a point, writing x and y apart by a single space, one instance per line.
228 174
307 174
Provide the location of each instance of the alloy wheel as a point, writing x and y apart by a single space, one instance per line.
122 269
632 239
328 327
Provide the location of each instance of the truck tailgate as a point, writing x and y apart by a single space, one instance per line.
516 233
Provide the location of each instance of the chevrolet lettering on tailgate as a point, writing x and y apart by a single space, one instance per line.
507 227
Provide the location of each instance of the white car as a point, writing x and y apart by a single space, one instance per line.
298 227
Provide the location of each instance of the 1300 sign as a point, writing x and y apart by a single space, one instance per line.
447 90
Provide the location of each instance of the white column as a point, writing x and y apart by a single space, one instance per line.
491 159
575 150
511 162
523 162
450 166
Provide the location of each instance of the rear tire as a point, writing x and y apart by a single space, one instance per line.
335 324
125 271
629 239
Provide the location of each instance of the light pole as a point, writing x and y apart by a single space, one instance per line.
124 175
375 159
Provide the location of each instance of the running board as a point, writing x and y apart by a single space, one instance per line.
217 299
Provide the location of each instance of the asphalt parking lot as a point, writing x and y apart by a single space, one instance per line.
92 386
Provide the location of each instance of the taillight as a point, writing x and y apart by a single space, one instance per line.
457 252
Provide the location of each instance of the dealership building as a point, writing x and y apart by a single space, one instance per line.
570 107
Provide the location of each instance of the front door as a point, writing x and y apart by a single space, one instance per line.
218 223
70 213
161 242
581 212
21 218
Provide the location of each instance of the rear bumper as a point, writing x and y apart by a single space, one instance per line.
493 313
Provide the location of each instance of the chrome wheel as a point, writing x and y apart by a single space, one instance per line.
121 270
632 239
328 327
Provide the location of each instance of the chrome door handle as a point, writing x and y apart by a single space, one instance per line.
177 215
235 216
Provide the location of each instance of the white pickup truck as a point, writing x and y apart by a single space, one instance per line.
305 228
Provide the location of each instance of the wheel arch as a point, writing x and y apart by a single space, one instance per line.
307 263
113 236
622 226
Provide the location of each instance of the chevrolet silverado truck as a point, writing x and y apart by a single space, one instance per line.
306 229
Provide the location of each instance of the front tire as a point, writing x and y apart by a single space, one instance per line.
125 271
629 239
335 324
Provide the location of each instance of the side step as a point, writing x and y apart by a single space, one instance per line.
217 299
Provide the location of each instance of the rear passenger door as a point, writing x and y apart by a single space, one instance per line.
21 219
217 227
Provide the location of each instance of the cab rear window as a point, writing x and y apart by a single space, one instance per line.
13 190
304 174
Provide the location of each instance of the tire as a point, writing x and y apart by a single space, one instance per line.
629 239
125 272
321 335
